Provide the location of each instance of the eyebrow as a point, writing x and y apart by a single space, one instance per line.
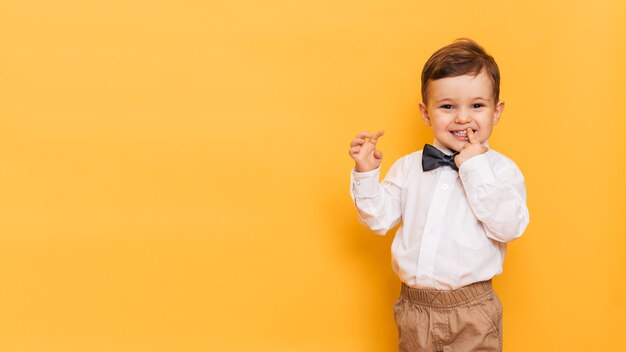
476 98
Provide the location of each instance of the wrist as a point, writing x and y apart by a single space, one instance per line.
358 168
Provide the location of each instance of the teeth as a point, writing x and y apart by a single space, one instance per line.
460 133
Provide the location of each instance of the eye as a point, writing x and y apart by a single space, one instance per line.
446 106
478 106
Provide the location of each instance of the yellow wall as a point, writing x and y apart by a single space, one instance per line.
174 174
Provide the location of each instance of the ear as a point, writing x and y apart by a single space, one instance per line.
498 112
424 112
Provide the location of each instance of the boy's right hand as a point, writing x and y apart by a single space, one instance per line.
363 151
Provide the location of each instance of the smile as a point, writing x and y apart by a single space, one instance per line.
461 133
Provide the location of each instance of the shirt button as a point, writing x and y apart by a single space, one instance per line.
444 186
358 183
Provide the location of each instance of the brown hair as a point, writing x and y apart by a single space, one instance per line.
463 57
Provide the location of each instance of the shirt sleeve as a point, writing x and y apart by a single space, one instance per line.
497 196
378 204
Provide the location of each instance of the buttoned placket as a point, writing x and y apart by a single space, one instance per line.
434 222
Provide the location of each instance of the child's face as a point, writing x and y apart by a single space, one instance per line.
457 103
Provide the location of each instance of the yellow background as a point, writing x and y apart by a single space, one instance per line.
174 175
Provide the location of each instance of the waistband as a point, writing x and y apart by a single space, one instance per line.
447 298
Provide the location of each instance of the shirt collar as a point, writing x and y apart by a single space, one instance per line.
447 150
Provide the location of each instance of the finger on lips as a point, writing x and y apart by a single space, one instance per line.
471 136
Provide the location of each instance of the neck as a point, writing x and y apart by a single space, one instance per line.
447 150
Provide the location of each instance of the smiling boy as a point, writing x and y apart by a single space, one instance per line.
458 203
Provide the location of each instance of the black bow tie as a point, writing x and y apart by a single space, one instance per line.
433 158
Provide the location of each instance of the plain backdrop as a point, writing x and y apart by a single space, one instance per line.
174 175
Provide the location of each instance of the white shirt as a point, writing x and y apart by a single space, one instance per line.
454 225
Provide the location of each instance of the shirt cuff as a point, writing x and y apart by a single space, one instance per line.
476 170
365 184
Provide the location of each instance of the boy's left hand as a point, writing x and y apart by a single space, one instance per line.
470 149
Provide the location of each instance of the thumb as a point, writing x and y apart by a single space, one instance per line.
378 154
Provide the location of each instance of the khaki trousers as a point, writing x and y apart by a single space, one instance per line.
461 320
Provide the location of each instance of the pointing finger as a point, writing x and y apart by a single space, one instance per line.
472 136
363 134
375 137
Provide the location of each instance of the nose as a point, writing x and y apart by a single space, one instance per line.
463 116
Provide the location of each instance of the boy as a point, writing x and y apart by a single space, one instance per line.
459 202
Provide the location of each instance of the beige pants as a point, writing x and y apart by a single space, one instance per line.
461 320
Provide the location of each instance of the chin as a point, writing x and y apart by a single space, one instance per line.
455 146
